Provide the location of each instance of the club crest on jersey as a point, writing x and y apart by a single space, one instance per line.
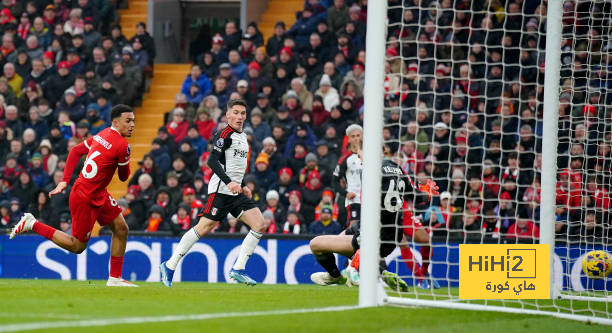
219 142
214 210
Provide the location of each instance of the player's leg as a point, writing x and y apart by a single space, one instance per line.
83 219
110 215
323 248
254 219
28 222
204 226
421 236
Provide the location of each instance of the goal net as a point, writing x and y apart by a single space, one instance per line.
465 105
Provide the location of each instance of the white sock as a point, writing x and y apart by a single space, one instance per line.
187 241
246 249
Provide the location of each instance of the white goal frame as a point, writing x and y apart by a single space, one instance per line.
371 292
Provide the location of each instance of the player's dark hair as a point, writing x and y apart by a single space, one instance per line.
237 101
118 109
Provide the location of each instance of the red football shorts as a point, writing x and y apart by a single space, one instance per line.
410 224
85 215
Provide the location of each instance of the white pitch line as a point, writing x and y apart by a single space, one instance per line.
43 315
140 320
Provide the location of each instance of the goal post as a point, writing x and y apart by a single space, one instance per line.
369 293
549 132
467 93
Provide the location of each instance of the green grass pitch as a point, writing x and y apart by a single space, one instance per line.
38 302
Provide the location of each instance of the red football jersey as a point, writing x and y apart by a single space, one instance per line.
107 150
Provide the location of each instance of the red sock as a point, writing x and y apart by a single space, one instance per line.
426 252
411 263
43 230
116 266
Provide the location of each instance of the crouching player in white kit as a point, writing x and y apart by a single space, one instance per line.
396 188
228 160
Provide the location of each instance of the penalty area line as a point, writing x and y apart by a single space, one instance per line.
159 319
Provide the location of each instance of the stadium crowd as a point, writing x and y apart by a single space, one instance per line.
463 96
64 65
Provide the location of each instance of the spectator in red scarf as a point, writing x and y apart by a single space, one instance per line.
181 219
156 220
204 123
270 222
178 126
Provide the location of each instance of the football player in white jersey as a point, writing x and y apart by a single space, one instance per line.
226 194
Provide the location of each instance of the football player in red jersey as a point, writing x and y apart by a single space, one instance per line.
89 200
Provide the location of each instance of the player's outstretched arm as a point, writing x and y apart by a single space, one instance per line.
73 159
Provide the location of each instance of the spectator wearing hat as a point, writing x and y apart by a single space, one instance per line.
195 205
167 139
148 43
285 185
326 225
179 167
163 199
91 37
75 24
265 176
217 49
263 105
261 128
189 155
312 189
247 48
55 86
140 56
178 126
131 67
242 88
96 124
70 104
155 221
175 190
286 60
275 157
266 67
301 134
274 206
115 43
270 222
328 93
276 41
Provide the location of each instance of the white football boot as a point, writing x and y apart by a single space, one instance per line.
324 279
119 282
25 224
